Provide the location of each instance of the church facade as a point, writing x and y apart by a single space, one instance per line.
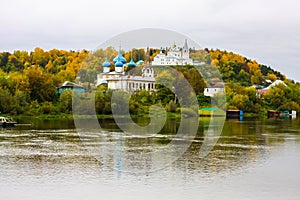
175 56
118 80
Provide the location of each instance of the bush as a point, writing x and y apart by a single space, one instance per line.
47 108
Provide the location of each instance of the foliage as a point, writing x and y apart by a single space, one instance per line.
290 105
238 69
65 102
28 82
242 102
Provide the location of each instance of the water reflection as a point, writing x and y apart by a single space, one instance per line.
55 154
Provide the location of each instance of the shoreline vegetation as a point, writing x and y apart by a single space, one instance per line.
29 83
110 116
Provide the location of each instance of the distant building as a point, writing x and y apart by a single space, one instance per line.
277 82
214 88
67 85
118 80
175 56
261 92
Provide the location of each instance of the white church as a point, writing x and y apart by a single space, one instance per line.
175 56
118 80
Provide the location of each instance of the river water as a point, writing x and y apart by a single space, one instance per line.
253 159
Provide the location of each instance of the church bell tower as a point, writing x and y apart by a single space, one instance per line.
185 50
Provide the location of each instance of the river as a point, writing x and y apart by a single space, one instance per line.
253 159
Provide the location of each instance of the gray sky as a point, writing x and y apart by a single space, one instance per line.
267 31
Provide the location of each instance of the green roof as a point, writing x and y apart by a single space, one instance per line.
210 109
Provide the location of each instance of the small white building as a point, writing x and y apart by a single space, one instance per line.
118 80
214 88
175 56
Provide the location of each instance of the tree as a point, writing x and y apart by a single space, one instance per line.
65 101
242 102
196 80
18 82
244 78
253 66
4 60
275 97
39 57
272 77
3 79
6 101
290 105
257 77
41 84
166 79
47 108
251 93
203 100
22 100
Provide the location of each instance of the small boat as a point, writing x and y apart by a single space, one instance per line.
7 122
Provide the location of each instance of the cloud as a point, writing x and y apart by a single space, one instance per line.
264 30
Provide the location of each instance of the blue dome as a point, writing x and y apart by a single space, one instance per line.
119 63
120 57
131 63
106 63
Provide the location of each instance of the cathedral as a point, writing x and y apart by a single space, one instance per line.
175 56
118 80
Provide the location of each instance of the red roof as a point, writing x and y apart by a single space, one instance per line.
262 91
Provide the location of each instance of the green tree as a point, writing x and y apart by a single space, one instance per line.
275 97
196 80
244 78
242 102
7 101
65 101
41 84
22 100
47 108
290 105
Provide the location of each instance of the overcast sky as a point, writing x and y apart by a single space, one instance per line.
267 31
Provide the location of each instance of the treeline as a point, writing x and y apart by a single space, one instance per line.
244 76
28 81
238 69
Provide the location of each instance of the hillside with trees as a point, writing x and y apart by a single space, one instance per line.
244 76
29 81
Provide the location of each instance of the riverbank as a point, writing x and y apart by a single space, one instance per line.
170 115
